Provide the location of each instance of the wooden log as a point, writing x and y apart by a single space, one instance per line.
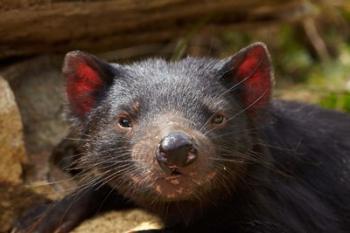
29 27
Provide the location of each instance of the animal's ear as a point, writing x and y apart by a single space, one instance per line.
249 74
87 78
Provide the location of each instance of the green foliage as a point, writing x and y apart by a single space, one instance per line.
293 61
333 81
339 101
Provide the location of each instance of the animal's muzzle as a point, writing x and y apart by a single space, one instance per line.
176 150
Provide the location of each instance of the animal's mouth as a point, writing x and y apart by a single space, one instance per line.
173 170
175 173
180 184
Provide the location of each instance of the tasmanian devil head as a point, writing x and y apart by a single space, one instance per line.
168 131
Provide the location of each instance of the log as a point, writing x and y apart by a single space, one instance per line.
31 27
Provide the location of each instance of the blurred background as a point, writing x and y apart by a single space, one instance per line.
309 41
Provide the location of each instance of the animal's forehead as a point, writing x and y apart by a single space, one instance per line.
188 67
184 77
161 84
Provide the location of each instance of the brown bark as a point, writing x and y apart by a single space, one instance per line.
29 27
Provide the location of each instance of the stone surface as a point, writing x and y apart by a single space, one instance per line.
39 89
12 149
120 222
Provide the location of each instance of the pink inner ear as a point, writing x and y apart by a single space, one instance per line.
255 74
82 84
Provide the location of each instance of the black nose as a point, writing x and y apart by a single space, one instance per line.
176 149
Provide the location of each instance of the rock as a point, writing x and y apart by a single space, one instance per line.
120 222
12 149
39 89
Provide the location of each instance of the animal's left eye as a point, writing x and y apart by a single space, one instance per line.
218 119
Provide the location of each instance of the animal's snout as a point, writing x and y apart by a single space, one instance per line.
176 150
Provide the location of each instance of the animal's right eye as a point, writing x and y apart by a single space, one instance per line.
125 122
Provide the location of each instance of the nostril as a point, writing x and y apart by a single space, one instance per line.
192 155
161 156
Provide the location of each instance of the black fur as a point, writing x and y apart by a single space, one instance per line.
296 157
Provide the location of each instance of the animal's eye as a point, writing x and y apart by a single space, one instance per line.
218 119
124 122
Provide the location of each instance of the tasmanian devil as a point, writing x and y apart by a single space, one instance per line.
200 143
